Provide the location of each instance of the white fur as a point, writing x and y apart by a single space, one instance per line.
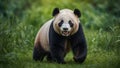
42 36
65 25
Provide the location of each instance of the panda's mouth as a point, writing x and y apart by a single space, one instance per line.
65 33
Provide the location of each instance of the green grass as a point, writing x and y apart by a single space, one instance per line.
93 60
97 57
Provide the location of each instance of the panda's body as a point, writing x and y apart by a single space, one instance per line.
60 35
42 36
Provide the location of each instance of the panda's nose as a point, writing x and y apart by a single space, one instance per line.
65 29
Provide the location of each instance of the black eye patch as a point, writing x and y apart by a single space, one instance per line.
71 24
60 24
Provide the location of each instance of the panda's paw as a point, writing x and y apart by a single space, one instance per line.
79 60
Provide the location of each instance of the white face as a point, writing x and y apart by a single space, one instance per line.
65 29
66 23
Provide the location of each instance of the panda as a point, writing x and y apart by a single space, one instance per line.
60 35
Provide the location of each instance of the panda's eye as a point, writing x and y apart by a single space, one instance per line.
71 24
60 24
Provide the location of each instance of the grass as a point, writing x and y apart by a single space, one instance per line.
27 62
97 57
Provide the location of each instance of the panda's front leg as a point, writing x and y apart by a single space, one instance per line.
79 46
80 52
56 43
57 52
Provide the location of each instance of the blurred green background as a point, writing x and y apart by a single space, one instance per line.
21 19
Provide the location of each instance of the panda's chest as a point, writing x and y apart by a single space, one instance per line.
67 45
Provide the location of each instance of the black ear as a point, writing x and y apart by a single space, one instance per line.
55 11
77 12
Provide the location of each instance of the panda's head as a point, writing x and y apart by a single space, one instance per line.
66 22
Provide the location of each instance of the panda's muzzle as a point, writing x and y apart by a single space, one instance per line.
65 29
65 33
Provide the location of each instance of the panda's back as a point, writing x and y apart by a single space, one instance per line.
42 36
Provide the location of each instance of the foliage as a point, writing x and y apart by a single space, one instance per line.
20 21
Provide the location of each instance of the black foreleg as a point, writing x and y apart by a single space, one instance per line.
49 57
79 46
56 43
80 52
58 54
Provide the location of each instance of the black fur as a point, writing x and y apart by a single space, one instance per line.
55 11
77 12
38 53
57 42
78 44
71 24
60 23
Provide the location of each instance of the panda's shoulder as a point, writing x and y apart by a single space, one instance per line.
46 25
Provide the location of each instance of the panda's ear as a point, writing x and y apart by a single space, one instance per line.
55 11
77 12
